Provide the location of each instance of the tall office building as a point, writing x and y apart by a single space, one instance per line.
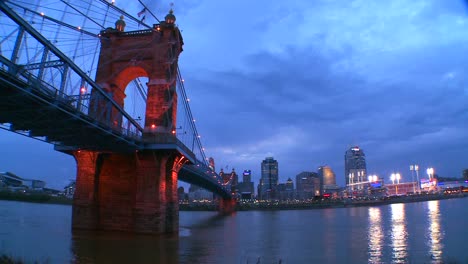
355 168
327 179
269 179
246 187
307 185
247 176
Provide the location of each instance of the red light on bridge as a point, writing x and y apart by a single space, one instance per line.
173 132
83 90
153 126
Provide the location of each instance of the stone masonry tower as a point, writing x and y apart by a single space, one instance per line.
137 191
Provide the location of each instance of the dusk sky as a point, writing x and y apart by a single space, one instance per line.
302 81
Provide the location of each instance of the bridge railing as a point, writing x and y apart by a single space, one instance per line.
31 56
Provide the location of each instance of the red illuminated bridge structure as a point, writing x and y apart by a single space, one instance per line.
104 87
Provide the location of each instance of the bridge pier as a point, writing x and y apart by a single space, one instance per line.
127 192
227 206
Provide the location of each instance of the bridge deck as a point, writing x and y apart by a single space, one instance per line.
44 114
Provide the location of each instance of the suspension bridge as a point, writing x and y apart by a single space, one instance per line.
105 87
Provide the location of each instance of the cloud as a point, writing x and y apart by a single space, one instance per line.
386 78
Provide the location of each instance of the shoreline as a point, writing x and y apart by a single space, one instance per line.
325 204
260 206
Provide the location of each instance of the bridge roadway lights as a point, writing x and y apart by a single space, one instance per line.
227 206
127 192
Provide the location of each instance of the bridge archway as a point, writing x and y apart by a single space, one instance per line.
152 53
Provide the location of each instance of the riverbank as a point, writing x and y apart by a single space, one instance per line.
34 197
322 204
287 205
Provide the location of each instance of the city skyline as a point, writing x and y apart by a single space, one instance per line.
303 82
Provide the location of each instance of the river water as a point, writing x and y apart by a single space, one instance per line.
423 232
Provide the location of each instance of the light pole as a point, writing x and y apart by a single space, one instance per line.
416 168
430 173
411 167
398 177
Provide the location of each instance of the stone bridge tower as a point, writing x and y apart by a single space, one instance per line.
135 192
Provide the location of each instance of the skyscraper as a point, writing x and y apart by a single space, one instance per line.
269 179
247 176
355 167
246 187
307 185
328 179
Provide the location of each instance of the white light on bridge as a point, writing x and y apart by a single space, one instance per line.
42 14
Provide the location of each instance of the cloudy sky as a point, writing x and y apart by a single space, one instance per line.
303 81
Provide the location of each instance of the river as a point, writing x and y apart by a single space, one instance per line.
422 232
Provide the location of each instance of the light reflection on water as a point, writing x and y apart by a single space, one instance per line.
434 233
375 235
399 235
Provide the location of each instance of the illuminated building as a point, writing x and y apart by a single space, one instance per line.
269 179
328 180
285 191
246 187
307 185
247 176
355 168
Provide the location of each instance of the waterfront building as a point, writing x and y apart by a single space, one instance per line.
285 191
181 194
307 185
403 188
269 179
69 190
246 187
247 176
197 194
328 180
14 182
355 169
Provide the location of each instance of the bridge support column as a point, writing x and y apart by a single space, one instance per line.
127 192
227 206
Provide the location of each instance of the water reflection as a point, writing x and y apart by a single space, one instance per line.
434 232
94 247
399 235
375 235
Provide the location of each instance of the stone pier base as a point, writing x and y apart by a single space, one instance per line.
127 192
227 206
